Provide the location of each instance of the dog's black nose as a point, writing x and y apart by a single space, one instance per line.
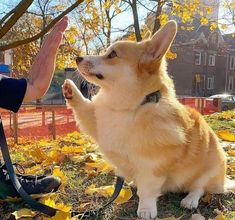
79 59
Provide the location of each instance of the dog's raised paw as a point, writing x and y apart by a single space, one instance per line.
67 90
147 214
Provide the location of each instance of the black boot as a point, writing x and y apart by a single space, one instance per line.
31 184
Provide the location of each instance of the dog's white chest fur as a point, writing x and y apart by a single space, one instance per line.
113 128
114 131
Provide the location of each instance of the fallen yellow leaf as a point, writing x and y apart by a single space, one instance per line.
231 153
219 217
24 213
77 158
63 207
90 190
57 172
63 212
37 154
56 156
81 142
124 196
100 165
107 191
72 150
48 201
34 169
226 136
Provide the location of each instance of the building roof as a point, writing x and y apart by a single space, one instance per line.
184 36
230 40
4 68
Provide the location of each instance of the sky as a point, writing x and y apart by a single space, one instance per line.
120 22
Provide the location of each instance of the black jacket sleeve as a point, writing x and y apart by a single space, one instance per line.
12 92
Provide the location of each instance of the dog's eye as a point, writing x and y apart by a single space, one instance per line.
112 54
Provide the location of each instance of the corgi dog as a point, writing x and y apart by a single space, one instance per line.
163 146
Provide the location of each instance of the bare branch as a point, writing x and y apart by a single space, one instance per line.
5 17
20 9
40 15
43 32
151 10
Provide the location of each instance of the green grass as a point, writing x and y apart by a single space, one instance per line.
168 205
222 121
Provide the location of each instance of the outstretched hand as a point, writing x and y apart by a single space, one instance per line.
43 67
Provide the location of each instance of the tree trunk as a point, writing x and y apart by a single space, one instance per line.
136 20
157 23
108 42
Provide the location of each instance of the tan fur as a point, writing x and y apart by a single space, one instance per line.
162 146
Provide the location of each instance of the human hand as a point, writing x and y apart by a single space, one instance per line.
43 67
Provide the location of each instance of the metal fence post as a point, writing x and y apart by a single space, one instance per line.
43 116
15 127
53 125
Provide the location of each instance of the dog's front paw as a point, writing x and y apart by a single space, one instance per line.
67 89
190 202
147 214
147 209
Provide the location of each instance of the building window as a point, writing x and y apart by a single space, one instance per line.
198 57
203 81
232 62
230 83
211 60
210 82
8 57
205 59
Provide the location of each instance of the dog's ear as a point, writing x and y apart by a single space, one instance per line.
147 35
161 40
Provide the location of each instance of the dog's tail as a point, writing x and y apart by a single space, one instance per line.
230 185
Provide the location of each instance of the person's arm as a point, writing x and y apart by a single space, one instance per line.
12 92
43 67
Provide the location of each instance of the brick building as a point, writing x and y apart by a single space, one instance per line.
205 63
230 62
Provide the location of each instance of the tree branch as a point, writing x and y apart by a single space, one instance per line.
6 16
40 15
158 12
20 9
151 10
43 32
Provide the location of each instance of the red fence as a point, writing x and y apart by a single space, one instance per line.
52 120
35 121
204 105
